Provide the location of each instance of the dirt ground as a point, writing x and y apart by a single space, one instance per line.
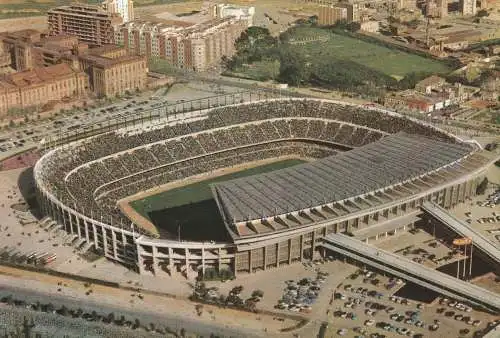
33 22
110 295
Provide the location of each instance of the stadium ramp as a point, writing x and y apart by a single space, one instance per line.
479 241
410 271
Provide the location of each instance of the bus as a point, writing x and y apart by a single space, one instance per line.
38 258
49 259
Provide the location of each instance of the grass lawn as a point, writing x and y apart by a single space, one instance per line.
260 70
191 210
392 62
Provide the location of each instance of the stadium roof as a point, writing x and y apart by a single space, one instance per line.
389 161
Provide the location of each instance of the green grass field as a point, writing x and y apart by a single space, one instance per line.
191 210
392 62
259 70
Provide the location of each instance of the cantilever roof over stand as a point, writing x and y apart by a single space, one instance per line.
391 160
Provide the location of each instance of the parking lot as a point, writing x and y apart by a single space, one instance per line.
482 213
364 305
179 96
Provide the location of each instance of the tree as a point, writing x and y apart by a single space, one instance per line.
293 69
199 309
111 317
236 290
482 13
63 311
258 293
481 188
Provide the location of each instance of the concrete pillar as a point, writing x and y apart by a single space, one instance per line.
219 259
104 240
70 222
154 251
235 264
264 251
86 225
140 260
113 236
124 244
186 259
203 261
170 260
96 242
250 263
278 254
78 229
289 251
313 243
301 247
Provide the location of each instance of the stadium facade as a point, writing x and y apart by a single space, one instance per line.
392 166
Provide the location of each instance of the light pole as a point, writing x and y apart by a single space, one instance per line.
470 262
465 261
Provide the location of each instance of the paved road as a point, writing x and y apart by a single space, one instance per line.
163 319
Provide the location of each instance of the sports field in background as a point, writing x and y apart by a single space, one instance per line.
392 62
191 211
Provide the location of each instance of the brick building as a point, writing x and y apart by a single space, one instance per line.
112 70
196 47
109 69
41 85
18 46
90 23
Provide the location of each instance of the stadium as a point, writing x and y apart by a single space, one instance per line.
251 186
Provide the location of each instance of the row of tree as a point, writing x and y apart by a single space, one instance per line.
93 316
202 293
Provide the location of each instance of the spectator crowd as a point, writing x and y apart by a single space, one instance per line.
91 176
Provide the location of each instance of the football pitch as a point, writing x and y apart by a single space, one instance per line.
190 212
392 62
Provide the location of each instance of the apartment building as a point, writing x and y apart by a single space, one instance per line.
468 7
436 8
112 70
329 15
124 8
38 86
90 23
196 47
353 10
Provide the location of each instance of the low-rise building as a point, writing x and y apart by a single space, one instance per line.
429 84
18 45
39 86
430 94
113 71
370 26
243 13
110 69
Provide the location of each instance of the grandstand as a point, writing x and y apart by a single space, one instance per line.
369 165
